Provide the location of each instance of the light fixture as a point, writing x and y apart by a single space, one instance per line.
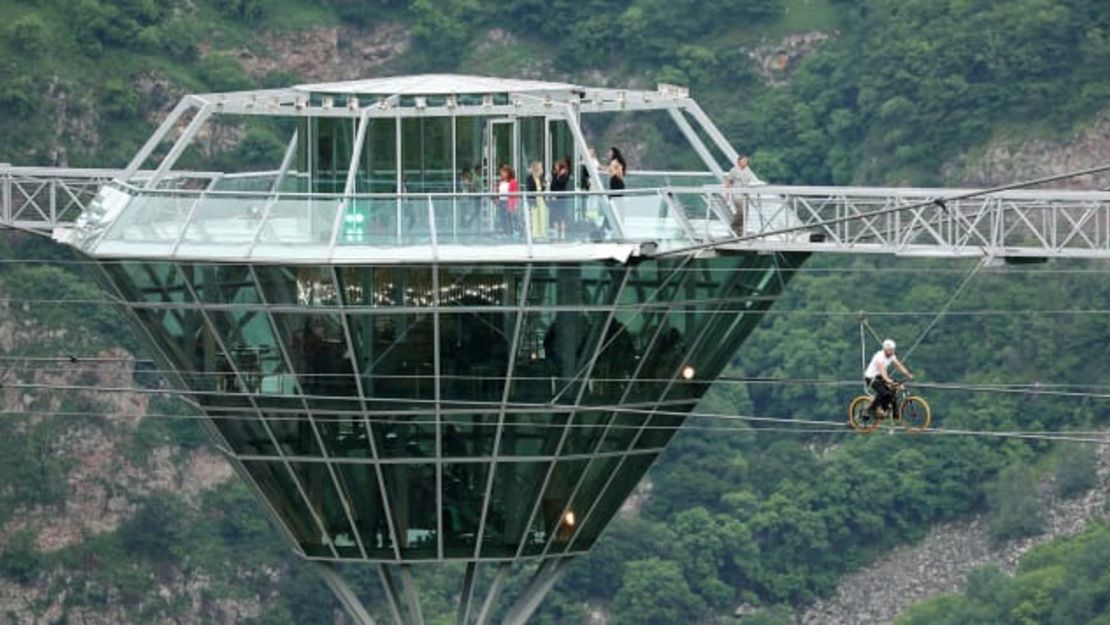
568 518
673 91
487 100
299 104
452 102
421 102
688 372
352 103
328 102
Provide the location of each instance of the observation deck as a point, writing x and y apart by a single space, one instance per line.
410 360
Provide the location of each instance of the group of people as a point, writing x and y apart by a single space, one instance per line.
553 211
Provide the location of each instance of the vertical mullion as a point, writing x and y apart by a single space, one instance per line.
601 345
503 408
311 418
436 384
694 346
685 276
371 443
575 409
250 397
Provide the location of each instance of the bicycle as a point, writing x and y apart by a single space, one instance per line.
911 411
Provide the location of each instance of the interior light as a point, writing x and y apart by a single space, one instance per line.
688 372
568 518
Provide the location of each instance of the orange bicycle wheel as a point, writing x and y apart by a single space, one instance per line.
859 417
915 414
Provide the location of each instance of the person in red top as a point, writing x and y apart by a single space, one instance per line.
508 189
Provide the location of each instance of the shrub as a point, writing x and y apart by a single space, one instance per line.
30 35
1077 470
1014 508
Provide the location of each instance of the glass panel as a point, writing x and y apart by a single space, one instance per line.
334 138
359 483
149 282
325 501
549 517
662 428
532 434
648 217
464 490
294 434
244 432
412 499
149 224
184 337
297 228
548 354
625 480
344 435
317 347
585 431
622 431
614 366
223 226
254 349
466 220
468 155
408 286
515 488
474 354
222 284
280 490
595 478
378 169
468 436
427 155
300 285
574 285
408 436
396 356
480 285
390 222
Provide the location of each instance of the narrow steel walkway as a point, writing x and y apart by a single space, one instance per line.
943 223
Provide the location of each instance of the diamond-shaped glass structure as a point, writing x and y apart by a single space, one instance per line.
408 362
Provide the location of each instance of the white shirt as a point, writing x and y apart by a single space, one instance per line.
879 362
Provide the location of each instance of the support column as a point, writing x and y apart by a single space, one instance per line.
494 593
344 593
412 596
542 582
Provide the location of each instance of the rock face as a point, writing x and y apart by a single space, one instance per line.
941 562
777 61
1005 159
328 54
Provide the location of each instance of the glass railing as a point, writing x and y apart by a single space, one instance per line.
221 224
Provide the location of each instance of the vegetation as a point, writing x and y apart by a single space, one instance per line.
756 515
1063 583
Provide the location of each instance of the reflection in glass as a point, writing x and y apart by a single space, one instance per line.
281 492
412 497
464 486
515 488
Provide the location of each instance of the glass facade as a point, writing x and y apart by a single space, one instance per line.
431 412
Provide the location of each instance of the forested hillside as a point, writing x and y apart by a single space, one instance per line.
95 524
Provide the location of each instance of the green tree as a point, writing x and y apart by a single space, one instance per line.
654 592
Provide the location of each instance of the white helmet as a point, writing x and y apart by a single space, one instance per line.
889 344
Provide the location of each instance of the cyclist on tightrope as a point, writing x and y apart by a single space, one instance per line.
880 381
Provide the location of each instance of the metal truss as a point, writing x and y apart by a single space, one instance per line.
948 223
